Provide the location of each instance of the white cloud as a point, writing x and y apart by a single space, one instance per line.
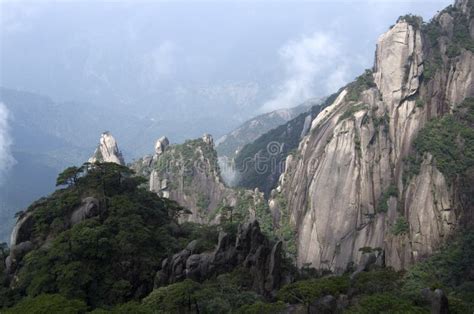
6 158
337 79
313 65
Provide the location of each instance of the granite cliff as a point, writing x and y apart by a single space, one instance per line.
350 184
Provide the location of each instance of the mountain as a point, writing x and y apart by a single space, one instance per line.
260 163
107 150
230 144
189 174
388 165
372 212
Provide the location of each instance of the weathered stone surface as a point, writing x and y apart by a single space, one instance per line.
250 250
107 151
207 138
189 174
22 229
437 299
161 144
344 166
17 252
89 208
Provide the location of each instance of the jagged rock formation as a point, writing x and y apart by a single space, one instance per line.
161 145
250 250
189 174
107 151
348 186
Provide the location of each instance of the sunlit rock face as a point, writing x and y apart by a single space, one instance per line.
107 151
345 187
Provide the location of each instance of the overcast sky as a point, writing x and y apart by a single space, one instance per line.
209 61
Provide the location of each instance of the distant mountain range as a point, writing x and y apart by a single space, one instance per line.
230 144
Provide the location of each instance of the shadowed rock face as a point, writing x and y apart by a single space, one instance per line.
251 250
23 239
107 151
355 153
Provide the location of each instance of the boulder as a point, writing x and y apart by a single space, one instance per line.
17 252
107 150
436 299
324 305
439 303
250 250
89 208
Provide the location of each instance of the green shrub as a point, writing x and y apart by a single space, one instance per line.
361 83
306 291
450 139
48 303
448 269
262 308
384 303
376 281
414 20
351 110
382 205
174 298
401 226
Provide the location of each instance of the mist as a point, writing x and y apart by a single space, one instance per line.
6 158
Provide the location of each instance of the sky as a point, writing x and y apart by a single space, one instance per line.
191 67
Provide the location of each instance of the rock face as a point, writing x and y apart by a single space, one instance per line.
23 240
161 145
251 250
260 163
347 186
207 138
189 174
107 151
89 208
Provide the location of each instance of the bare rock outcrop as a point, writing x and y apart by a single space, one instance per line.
23 238
346 187
251 250
189 174
107 150
89 208
161 144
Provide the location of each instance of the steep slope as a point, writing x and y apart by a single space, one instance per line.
347 187
100 239
230 144
189 174
260 163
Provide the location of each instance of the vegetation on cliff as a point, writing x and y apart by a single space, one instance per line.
260 163
107 263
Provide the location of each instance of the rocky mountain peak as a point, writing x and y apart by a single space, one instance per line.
107 150
161 144
398 62
207 138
